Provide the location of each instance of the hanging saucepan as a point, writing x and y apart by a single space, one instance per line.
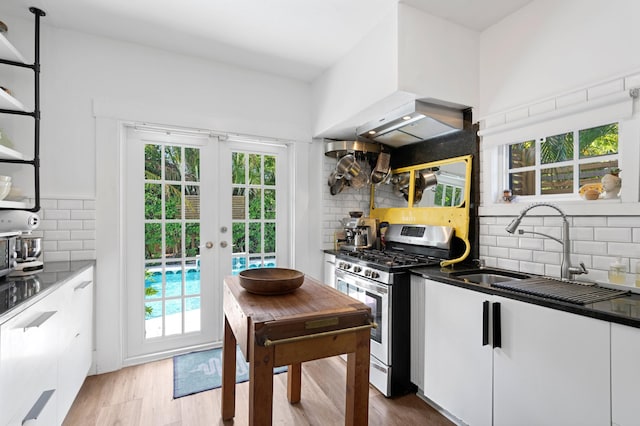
337 186
348 166
400 184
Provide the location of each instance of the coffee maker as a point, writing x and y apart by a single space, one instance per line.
360 233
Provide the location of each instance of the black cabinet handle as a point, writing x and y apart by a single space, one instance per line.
497 334
485 323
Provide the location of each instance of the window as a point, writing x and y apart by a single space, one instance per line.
560 164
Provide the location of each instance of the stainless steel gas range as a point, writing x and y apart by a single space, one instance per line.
381 279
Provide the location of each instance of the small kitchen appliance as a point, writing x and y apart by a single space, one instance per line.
381 279
7 253
27 251
360 233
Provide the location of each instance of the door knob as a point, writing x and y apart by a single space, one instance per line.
223 244
223 229
208 244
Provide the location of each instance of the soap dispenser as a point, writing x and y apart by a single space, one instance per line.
616 272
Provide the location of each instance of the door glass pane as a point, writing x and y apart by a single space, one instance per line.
556 180
255 237
192 239
152 162
602 140
173 285
239 238
269 170
269 203
173 204
557 148
238 204
238 171
153 240
173 237
153 319
173 321
192 319
191 202
270 237
192 282
255 203
255 169
255 262
192 165
172 163
152 201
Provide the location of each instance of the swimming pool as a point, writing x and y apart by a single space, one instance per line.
174 288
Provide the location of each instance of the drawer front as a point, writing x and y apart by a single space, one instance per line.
29 350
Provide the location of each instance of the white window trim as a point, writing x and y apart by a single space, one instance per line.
532 122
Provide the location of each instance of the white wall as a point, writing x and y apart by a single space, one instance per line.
547 49
550 47
186 91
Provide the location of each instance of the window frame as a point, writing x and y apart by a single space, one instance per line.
575 162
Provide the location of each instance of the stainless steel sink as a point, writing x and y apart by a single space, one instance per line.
489 276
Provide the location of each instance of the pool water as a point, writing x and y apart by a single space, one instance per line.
192 288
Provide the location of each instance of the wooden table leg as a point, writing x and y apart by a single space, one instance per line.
294 382
260 382
228 372
357 400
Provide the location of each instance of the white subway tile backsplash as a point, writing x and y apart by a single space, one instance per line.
621 235
83 214
498 252
56 235
55 214
623 249
624 221
70 245
68 229
507 242
83 235
48 204
595 240
581 233
589 221
589 247
519 254
82 255
59 256
70 204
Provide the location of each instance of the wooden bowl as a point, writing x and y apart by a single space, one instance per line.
270 281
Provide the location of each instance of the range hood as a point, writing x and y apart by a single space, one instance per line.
414 122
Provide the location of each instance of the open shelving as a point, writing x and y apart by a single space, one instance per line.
9 55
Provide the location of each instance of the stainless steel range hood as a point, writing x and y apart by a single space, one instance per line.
414 122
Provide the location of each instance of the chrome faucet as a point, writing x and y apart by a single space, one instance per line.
566 270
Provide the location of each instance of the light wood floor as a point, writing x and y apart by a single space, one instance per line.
143 395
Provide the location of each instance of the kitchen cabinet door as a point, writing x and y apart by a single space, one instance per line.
551 369
330 269
625 375
457 367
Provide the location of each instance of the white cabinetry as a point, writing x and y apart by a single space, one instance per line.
77 339
45 354
625 375
330 269
547 366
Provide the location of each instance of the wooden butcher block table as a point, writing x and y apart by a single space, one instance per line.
315 321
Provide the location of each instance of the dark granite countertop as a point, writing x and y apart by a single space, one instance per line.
623 310
18 293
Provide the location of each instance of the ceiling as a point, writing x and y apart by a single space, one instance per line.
293 38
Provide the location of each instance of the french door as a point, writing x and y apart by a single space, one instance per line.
254 202
197 210
173 294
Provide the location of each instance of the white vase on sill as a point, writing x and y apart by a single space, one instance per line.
611 185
